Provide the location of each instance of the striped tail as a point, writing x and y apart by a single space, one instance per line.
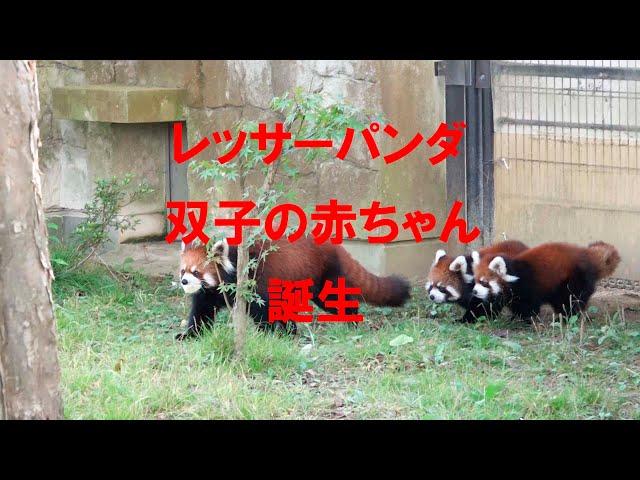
605 256
391 291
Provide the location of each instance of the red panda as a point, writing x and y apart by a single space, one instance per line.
451 279
560 274
300 260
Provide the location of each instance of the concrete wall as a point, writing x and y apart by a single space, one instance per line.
221 92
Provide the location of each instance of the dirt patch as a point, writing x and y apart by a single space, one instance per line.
152 258
610 300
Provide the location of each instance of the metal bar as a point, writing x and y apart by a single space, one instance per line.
488 164
545 123
456 172
482 77
470 173
473 161
455 72
176 183
566 71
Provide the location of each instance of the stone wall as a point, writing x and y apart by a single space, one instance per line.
221 92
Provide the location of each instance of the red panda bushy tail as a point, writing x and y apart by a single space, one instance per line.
605 257
391 291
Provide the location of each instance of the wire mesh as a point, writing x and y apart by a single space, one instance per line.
566 153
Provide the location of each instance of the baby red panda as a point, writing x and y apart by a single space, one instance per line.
451 279
301 260
560 274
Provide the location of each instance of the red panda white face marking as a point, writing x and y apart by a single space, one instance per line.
445 282
192 279
197 271
443 293
209 279
483 288
190 283
488 279
453 293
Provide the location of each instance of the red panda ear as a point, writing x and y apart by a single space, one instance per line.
189 246
220 251
439 254
499 266
476 258
459 264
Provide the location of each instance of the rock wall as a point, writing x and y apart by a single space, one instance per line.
221 92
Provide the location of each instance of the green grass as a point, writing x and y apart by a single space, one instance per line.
119 361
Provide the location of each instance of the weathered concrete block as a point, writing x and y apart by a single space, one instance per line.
365 70
222 85
71 132
152 226
185 74
410 259
100 71
202 123
412 103
75 183
119 104
348 184
286 75
364 95
126 72
51 171
237 82
255 77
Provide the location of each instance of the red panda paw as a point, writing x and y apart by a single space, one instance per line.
182 336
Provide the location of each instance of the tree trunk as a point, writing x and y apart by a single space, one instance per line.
29 370
240 313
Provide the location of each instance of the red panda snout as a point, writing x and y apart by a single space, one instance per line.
197 271
445 283
491 277
192 281
441 293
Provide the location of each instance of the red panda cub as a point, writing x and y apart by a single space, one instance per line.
301 260
451 279
560 274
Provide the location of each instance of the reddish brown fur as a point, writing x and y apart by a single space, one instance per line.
554 263
605 256
196 256
305 259
440 271
508 247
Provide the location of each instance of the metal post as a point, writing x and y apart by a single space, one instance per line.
470 173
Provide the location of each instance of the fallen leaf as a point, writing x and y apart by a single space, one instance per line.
400 340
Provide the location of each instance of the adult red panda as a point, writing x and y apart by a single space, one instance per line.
560 274
451 279
300 260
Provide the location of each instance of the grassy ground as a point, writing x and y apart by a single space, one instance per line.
119 360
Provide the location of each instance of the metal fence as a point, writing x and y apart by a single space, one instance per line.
566 157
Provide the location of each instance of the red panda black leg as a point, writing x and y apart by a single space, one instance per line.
201 315
478 308
525 310
260 315
332 298
572 299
